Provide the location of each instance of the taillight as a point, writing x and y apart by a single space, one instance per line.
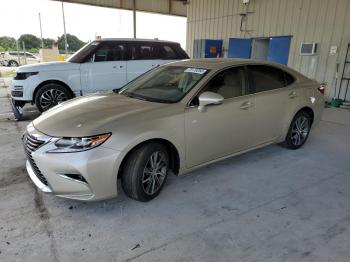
322 88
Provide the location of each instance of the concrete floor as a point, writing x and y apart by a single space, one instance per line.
272 204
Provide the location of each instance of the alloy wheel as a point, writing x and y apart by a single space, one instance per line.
154 173
300 130
51 98
13 64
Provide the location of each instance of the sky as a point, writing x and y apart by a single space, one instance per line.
22 17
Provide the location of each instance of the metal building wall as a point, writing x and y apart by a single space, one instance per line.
323 21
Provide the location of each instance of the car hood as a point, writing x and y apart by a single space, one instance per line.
90 115
48 66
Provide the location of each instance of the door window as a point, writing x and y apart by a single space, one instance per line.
109 52
228 83
167 52
266 78
288 79
144 52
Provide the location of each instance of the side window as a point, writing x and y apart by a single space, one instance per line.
29 55
167 52
288 79
266 77
109 52
228 83
144 52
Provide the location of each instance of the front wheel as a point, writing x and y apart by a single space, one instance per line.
51 95
13 63
145 172
299 130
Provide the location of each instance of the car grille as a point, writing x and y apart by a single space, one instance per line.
31 144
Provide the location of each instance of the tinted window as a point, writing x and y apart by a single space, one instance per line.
144 51
109 52
266 77
288 79
167 52
228 83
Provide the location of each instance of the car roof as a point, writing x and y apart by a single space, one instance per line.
220 63
135 40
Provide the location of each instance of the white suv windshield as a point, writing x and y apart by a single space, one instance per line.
165 84
80 55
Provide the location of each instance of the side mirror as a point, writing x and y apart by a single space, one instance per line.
209 98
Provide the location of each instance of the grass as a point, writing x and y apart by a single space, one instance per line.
8 73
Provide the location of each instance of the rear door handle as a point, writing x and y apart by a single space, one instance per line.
292 95
118 66
246 105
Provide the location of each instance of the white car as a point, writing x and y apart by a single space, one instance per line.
101 65
14 58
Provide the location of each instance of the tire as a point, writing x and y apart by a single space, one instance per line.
12 63
299 131
51 95
139 178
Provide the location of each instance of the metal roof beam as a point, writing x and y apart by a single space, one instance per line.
166 7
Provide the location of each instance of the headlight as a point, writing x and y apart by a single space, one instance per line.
78 144
23 76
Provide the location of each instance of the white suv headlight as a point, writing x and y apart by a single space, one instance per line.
78 144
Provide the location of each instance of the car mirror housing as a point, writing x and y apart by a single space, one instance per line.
209 98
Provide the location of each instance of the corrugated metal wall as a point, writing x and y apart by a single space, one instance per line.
324 21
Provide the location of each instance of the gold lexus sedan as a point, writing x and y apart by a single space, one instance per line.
171 120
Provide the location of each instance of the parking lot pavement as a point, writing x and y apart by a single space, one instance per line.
272 204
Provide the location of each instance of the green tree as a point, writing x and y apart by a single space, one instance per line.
48 42
30 41
74 43
8 43
34 50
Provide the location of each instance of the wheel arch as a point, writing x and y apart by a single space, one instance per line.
171 148
309 111
52 81
285 129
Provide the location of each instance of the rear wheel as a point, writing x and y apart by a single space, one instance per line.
299 130
145 172
50 95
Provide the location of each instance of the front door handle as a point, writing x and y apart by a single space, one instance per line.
293 95
118 67
246 105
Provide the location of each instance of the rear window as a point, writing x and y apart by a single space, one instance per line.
267 78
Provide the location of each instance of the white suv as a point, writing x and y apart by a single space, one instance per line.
101 65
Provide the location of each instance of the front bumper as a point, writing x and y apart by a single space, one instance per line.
23 90
97 169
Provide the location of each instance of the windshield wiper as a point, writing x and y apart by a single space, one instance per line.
133 96
149 99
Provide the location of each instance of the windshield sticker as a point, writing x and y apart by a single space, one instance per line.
200 71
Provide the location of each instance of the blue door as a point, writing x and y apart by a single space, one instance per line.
212 48
279 49
239 47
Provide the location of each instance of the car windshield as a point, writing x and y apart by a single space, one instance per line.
164 84
82 53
